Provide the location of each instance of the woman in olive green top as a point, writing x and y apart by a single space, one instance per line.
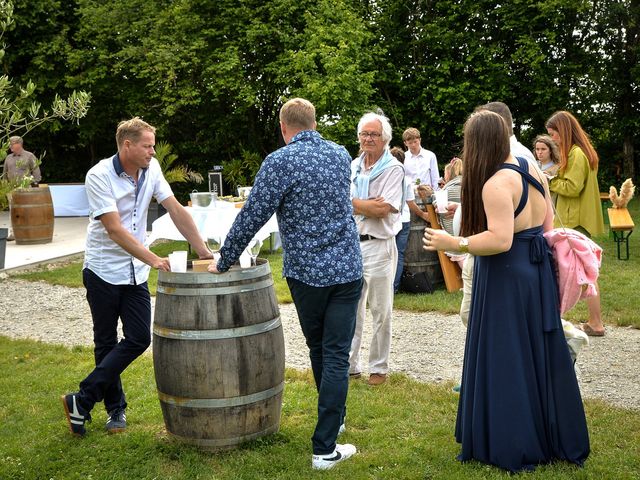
578 205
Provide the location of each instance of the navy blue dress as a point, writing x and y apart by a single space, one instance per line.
520 405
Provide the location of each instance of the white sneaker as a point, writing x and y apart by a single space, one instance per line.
325 462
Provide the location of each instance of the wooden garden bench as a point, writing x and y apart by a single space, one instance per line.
621 225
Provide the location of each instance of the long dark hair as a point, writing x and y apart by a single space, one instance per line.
486 147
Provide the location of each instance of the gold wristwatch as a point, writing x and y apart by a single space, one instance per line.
463 245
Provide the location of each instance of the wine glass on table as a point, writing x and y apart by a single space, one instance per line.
214 242
254 250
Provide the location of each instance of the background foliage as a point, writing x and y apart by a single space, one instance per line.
212 75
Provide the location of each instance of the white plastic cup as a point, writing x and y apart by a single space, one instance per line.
442 200
178 261
245 260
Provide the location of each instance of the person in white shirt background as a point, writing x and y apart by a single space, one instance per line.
419 163
517 149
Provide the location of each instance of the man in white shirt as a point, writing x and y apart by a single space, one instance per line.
420 164
517 149
117 264
377 198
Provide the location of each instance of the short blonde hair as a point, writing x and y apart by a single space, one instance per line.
15 139
410 133
132 130
298 113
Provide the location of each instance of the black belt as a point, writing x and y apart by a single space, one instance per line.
364 238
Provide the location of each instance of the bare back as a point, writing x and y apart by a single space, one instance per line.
509 183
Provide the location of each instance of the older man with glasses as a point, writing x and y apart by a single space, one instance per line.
377 197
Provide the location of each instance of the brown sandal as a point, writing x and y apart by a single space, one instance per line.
590 331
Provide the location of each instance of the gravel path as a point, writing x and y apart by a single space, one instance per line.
426 346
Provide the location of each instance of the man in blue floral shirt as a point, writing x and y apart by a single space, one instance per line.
307 184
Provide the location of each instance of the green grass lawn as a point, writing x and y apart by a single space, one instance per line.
619 282
403 430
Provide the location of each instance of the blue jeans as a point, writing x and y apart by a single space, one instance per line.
402 237
327 317
130 303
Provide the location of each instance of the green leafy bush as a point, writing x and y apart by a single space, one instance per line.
242 171
174 173
6 186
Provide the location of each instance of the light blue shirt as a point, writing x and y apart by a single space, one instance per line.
110 189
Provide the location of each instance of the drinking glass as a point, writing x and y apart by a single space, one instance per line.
254 249
214 243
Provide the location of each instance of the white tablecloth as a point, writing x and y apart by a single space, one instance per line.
210 221
69 200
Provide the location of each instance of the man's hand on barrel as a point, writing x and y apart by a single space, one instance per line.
213 266
203 251
160 263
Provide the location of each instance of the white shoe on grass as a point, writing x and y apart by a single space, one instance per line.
325 462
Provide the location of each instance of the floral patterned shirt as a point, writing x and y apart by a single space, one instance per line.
307 184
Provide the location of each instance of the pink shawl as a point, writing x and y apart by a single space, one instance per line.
578 260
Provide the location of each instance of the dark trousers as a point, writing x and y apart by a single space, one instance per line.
402 238
328 318
130 303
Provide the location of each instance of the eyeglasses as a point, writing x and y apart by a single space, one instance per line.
372 135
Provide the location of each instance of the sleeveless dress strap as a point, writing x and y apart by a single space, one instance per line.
523 170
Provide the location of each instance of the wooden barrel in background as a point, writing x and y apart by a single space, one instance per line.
32 215
416 259
218 355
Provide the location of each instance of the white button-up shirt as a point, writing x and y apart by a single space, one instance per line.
389 186
423 166
519 150
110 189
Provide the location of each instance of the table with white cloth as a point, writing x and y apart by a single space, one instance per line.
69 199
212 221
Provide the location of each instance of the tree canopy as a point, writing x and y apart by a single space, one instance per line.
213 75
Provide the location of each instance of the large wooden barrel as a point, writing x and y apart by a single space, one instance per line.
416 258
218 355
32 215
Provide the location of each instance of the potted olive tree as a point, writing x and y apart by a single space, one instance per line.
21 112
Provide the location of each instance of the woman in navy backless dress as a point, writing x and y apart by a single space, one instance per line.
520 405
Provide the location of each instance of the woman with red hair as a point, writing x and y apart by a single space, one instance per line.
576 185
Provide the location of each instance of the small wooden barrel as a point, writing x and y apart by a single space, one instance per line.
218 355
416 258
32 215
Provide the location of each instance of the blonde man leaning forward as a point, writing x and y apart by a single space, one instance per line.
377 197
117 264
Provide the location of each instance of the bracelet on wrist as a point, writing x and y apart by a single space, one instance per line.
463 245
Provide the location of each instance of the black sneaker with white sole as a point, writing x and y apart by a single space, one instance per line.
76 415
117 421
325 462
